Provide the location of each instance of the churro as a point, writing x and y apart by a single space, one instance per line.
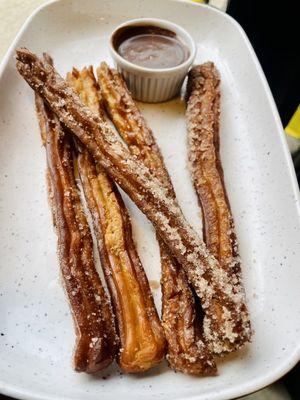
141 335
187 351
96 338
203 113
226 321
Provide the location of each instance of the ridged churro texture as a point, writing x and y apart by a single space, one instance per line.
226 321
141 334
203 114
186 350
96 338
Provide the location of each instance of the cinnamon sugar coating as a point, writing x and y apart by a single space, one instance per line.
203 114
187 351
96 338
141 335
220 297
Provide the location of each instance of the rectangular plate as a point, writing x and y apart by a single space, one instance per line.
36 329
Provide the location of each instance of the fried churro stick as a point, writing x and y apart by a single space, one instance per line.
203 113
141 334
186 349
221 299
96 339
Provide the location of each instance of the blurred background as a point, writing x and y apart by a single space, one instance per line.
273 30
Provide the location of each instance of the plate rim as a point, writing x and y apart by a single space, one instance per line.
286 365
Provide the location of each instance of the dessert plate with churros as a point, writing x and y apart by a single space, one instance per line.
149 209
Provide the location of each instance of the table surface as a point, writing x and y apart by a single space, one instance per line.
13 14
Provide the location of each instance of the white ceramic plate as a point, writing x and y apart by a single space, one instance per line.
37 336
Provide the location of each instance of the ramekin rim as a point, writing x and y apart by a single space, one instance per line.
170 24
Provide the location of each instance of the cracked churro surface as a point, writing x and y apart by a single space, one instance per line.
96 338
225 319
141 335
203 114
187 351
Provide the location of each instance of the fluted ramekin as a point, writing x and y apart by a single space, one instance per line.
148 84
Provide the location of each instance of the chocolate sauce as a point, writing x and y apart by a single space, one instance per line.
150 46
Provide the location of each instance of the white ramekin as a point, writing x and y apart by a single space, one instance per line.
154 85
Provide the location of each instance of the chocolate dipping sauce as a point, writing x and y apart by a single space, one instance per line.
150 47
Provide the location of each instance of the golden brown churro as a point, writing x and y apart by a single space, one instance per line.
96 339
141 334
186 351
203 113
227 323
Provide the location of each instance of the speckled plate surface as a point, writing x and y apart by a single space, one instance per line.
36 333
